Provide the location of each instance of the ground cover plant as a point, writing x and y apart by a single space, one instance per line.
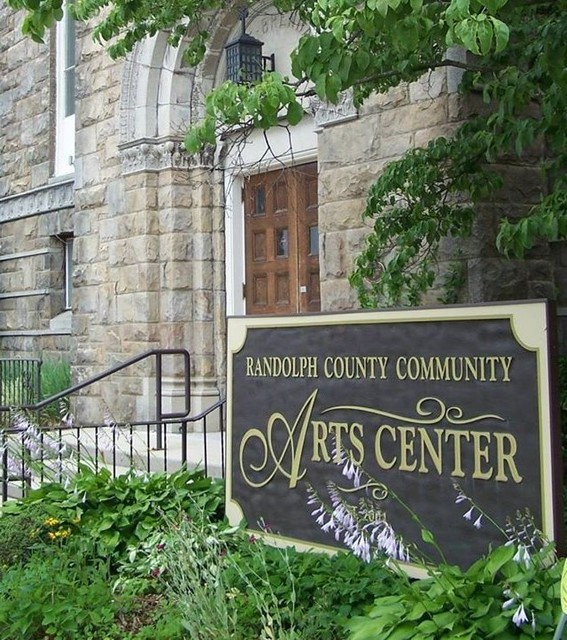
129 558
150 556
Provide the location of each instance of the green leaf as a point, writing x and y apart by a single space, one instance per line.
501 34
294 113
494 5
427 536
382 7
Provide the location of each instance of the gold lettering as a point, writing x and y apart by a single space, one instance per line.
454 368
508 458
426 368
454 376
481 454
320 433
436 455
398 371
471 365
384 464
338 428
357 442
492 364
406 447
442 369
506 362
286 367
457 436
278 458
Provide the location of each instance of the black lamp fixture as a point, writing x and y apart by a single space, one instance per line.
244 60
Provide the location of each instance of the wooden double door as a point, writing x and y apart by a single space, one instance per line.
282 241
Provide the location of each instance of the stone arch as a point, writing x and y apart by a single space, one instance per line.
156 92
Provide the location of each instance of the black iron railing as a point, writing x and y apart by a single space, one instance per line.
32 453
19 381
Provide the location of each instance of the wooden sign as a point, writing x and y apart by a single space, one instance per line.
447 411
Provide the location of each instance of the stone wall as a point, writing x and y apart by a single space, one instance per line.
25 108
149 221
35 212
352 153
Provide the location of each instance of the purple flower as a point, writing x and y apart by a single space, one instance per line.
520 617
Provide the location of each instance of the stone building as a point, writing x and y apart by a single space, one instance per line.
114 241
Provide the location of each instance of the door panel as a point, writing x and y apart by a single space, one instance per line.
282 241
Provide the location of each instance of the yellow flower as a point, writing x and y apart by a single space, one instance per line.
51 522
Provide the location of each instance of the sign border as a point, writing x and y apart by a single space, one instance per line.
532 323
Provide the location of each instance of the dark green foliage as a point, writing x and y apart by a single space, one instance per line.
60 594
328 589
116 513
453 604
20 534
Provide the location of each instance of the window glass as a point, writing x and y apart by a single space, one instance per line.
65 95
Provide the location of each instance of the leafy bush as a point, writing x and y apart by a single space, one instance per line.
227 584
117 513
481 602
328 589
60 594
19 535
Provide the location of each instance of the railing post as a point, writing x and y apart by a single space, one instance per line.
4 467
184 443
159 408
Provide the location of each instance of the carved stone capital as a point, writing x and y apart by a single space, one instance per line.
327 114
158 155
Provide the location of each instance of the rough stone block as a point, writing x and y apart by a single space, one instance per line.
393 98
430 86
339 216
337 295
347 183
351 143
416 116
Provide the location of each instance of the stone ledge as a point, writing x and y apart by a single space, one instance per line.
34 332
52 197
24 294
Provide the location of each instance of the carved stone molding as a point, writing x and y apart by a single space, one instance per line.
127 96
327 114
157 155
52 197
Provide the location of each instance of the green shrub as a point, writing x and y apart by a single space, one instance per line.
497 597
60 594
117 513
328 589
20 534
229 585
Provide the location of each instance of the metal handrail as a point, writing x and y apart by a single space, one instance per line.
162 419
128 363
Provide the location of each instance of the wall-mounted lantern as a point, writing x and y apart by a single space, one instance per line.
244 60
